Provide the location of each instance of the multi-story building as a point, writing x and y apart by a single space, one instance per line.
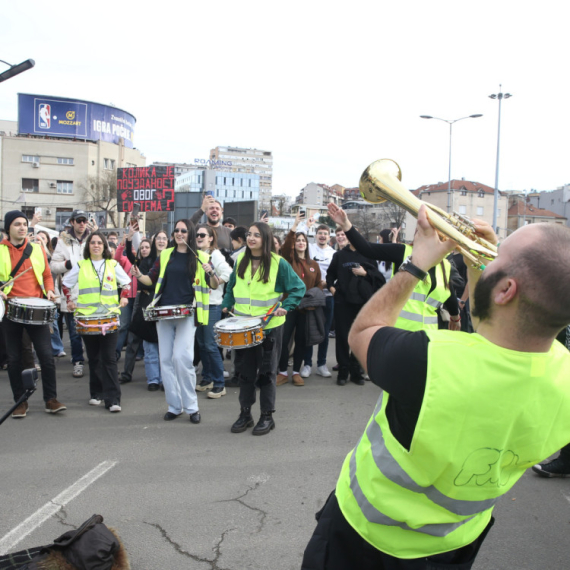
556 201
44 165
471 199
522 212
320 194
249 160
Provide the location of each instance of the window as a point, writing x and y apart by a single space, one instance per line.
61 217
30 185
463 193
498 212
64 187
480 210
109 164
30 158
133 165
480 194
62 160
28 211
463 210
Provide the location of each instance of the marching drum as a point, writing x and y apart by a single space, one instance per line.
96 324
239 332
167 312
31 310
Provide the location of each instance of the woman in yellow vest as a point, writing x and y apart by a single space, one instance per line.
258 280
180 280
98 276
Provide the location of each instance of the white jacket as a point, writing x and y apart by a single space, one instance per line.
67 248
223 270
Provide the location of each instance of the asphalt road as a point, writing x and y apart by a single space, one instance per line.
199 497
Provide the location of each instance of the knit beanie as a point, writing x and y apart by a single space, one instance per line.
10 216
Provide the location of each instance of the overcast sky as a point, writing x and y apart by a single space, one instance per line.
328 87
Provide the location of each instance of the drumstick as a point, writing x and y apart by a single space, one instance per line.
213 270
14 278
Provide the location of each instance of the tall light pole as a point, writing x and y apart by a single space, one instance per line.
450 123
16 69
500 96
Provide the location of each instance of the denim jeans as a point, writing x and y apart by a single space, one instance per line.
74 338
126 317
176 346
152 362
56 342
211 359
324 346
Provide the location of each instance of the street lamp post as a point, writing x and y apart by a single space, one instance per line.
16 69
500 96
450 123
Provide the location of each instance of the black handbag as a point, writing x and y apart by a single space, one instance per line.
143 329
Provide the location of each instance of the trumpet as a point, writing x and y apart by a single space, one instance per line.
381 182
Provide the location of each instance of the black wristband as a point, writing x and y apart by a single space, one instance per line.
68 264
408 266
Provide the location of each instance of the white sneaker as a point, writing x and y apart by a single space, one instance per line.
94 402
323 371
78 370
305 371
62 354
115 408
226 374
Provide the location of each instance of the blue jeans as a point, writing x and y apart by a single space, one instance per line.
324 346
56 343
209 353
126 317
152 362
74 338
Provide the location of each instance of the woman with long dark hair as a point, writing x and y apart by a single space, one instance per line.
259 279
180 281
295 250
98 277
213 371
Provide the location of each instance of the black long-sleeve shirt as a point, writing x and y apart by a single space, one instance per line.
394 253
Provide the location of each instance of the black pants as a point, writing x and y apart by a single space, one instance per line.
103 381
257 366
41 340
344 316
335 545
296 321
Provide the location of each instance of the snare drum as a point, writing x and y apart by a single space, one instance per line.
166 312
96 324
31 310
239 332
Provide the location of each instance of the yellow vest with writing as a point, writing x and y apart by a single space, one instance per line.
95 295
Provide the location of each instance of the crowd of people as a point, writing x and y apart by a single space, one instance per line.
396 310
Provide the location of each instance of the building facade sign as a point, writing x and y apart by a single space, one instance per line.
151 186
212 163
73 118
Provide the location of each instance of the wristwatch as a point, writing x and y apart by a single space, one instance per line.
408 266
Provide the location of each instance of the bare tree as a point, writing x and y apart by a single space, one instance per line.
101 195
366 223
154 222
394 214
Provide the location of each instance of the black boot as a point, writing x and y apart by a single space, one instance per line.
265 424
243 422
342 376
356 376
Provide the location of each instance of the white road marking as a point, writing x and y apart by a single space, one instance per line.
51 507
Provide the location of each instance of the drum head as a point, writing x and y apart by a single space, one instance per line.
238 324
31 302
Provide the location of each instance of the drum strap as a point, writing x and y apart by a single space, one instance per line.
27 252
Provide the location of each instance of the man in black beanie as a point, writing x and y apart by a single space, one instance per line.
17 255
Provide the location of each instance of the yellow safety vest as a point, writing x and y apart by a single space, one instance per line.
95 295
419 313
253 297
200 286
38 264
488 414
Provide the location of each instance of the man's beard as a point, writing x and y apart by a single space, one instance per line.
213 222
483 293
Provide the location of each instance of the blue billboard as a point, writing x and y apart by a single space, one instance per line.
61 117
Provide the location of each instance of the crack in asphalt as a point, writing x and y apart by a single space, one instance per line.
60 518
216 549
263 513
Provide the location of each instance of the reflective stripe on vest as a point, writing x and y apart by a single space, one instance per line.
253 298
38 266
199 284
419 312
94 295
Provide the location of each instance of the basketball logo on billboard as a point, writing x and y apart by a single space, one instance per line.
44 111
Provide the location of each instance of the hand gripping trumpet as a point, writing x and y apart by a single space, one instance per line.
381 182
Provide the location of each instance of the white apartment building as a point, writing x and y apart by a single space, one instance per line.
249 160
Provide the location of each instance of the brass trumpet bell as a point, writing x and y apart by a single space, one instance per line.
381 181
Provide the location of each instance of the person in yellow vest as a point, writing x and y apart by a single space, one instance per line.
258 280
184 280
462 416
18 255
98 277
431 293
